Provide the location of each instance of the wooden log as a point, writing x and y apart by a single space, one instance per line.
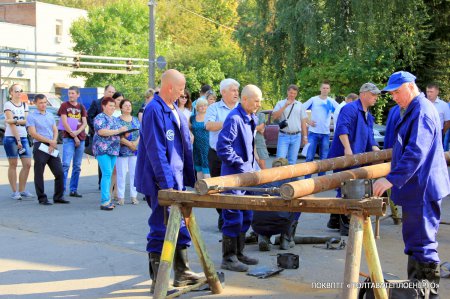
331 181
373 260
353 256
291 171
371 206
168 252
200 248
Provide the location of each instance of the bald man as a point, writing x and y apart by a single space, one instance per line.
235 148
165 161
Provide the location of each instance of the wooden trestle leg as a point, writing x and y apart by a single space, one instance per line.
168 252
353 256
200 248
373 260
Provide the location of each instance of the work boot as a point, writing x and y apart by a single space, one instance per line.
240 252
292 232
344 225
430 272
153 265
183 274
412 268
333 223
229 255
263 243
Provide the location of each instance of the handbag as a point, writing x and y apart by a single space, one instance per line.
283 124
88 145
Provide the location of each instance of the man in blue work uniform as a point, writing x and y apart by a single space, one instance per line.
235 147
353 135
418 176
165 161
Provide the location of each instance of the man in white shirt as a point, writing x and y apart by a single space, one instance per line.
322 107
441 106
290 112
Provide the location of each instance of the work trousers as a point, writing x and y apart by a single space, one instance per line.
42 159
156 222
236 222
420 227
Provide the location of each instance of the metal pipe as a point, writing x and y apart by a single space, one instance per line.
15 59
291 171
151 43
24 52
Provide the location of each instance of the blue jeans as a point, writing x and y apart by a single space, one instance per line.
106 163
446 140
321 140
288 147
76 153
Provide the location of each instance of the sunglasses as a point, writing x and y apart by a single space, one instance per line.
18 90
183 97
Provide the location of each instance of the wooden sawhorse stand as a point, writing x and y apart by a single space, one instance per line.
360 232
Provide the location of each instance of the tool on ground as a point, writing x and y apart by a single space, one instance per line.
288 260
264 272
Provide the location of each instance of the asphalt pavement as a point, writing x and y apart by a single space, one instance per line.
79 251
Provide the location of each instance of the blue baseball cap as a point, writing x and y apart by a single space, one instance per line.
397 79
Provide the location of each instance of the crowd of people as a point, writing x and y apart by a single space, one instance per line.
175 141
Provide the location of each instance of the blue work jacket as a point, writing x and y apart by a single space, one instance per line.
389 134
165 151
353 122
236 142
418 168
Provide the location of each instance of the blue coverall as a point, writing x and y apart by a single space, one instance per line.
359 128
420 178
389 134
164 161
235 148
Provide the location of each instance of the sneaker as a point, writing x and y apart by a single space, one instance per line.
26 194
134 201
16 196
75 194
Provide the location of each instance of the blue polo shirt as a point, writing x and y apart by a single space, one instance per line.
43 123
236 142
358 125
216 112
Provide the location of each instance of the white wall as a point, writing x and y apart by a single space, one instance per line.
42 38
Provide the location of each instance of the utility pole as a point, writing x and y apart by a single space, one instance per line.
151 44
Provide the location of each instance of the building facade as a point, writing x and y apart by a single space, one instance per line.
36 27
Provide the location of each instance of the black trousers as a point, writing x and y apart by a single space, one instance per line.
215 164
42 159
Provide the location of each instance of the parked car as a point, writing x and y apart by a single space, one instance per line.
52 100
272 129
32 108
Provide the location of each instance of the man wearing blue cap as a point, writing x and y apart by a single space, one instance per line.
353 135
418 176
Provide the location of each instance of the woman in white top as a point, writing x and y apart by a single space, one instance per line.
185 104
15 142
118 97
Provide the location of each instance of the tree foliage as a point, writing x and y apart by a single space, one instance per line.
348 42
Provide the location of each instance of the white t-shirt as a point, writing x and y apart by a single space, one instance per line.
295 119
186 112
336 113
321 111
19 114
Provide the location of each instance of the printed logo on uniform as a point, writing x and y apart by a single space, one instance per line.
170 135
